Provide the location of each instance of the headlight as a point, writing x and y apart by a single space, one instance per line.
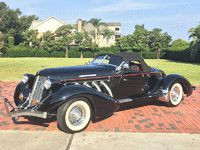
25 79
47 84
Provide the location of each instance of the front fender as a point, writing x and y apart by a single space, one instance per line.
170 79
21 88
101 103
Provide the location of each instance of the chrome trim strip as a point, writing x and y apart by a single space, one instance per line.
107 88
87 75
125 100
28 112
96 85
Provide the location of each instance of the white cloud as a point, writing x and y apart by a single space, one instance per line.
126 5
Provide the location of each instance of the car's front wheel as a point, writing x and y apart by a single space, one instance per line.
175 94
74 115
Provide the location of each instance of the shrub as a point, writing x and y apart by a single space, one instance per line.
20 51
41 53
73 53
58 54
11 41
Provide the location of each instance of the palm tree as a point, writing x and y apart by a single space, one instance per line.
107 34
96 23
195 34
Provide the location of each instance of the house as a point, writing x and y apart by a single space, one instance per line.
51 24
103 42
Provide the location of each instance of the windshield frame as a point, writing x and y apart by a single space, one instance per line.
101 62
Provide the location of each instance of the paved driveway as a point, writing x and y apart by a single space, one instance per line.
149 117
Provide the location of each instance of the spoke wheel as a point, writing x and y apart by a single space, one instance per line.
74 115
175 94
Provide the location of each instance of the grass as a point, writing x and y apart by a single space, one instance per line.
12 69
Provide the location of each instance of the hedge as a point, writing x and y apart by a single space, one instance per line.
73 53
20 51
41 53
58 54
88 54
183 56
112 50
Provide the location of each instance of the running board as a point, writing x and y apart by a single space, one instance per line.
120 101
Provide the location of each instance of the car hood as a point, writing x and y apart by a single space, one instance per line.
77 72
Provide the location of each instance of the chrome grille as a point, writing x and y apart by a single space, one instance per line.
38 89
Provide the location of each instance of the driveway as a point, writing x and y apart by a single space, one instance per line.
132 117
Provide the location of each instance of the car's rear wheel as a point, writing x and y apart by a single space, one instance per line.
74 115
175 94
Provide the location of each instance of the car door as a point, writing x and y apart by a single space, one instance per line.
132 84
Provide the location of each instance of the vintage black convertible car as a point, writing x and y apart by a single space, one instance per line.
79 94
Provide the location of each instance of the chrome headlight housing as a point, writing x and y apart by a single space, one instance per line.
47 84
25 79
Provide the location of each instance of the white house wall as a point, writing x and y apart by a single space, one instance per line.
50 25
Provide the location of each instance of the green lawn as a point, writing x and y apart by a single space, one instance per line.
12 69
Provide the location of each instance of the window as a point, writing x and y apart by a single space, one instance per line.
117 29
117 36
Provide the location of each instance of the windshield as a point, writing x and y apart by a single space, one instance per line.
111 60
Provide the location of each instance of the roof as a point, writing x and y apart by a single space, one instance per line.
113 24
36 23
131 57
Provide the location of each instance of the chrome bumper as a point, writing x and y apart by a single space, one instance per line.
163 95
23 112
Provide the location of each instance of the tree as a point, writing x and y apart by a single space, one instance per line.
29 38
12 25
159 41
141 39
48 41
66 33
179 45
195 44
96 23
84 42
107 34
25 21
1 43
125 43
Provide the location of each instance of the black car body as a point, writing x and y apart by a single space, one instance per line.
79 94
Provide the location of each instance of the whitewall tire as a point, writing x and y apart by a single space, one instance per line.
175 94
74 115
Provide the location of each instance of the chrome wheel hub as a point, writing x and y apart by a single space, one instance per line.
76 115
175 94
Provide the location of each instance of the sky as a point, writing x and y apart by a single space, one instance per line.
175 17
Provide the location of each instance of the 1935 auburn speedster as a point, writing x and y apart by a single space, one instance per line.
78 94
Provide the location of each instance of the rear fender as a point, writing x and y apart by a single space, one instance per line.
102 104
170 79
